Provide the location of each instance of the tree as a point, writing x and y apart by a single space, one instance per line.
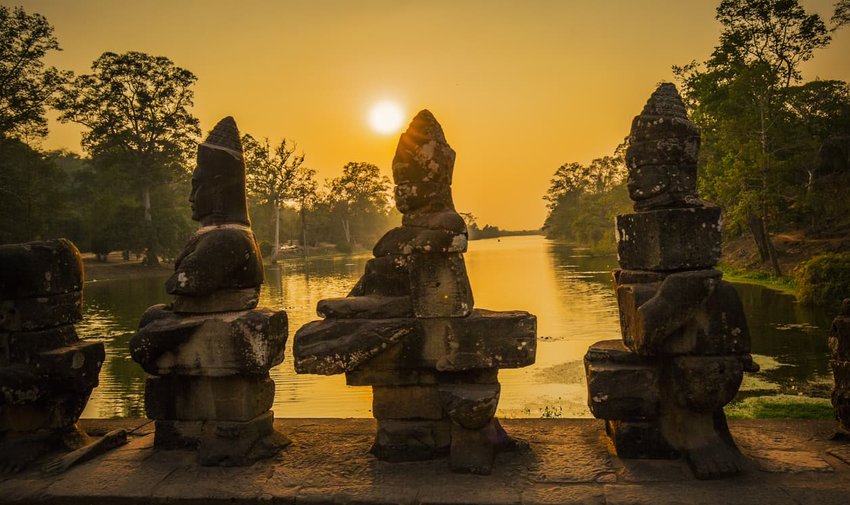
273 176
136 110
842 14
583 200
26 85
739 99
358 196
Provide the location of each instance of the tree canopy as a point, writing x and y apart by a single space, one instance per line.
136 111
26 83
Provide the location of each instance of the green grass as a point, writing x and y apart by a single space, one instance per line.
785 283
780 407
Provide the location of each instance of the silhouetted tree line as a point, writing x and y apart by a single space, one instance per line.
129 193
775 149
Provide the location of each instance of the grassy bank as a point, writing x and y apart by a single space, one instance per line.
761 278
780 407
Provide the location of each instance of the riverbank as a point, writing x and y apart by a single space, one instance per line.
116 268
566 461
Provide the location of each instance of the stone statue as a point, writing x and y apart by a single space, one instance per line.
408 327
685 340
46 372
839 346
210 351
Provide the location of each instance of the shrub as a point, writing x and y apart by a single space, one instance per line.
824 279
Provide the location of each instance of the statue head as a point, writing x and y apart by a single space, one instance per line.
662 153
422 167
218 182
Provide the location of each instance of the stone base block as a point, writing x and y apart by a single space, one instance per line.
621 385
669 239
841 408
214 345
223 443
705 383
52 410
470 406
639 440
379 372
408 440
839 338
406 402
190 398
74 367
473 450
30 314
24 346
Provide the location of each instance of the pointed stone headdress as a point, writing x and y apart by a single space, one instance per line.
225 136
662 153
220 160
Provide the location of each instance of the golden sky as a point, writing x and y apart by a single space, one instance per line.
520 87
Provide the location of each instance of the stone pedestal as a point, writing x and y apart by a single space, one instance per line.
685 342
46 372
409 328
209 352
839 347
210 388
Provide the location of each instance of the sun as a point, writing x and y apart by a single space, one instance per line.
386 117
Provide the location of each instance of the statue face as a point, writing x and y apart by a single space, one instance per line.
202 198
647 182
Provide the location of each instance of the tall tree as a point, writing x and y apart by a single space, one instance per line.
739 98
360 193
26 84
135 108
274 176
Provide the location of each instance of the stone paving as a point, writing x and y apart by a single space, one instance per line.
567 461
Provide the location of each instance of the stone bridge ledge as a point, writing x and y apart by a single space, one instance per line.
567 461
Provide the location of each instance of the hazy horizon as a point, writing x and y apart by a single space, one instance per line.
519 88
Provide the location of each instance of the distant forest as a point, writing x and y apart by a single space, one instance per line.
775 148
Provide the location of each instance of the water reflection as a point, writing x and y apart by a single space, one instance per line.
568 290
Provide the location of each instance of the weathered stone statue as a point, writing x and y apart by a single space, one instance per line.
210 351
46 372
685 341
839 346
409 330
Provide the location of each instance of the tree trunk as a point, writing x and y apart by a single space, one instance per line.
304 233
347 229
771 252
276 232
757 229
151 258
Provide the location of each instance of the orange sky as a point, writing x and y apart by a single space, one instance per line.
520 87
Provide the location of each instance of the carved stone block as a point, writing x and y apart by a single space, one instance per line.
439 286
248 342
192 398
627 389
669 239
411 440
365 307
406 402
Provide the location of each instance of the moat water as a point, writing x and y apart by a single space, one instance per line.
569 291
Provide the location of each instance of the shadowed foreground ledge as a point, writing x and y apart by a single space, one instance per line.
568 461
